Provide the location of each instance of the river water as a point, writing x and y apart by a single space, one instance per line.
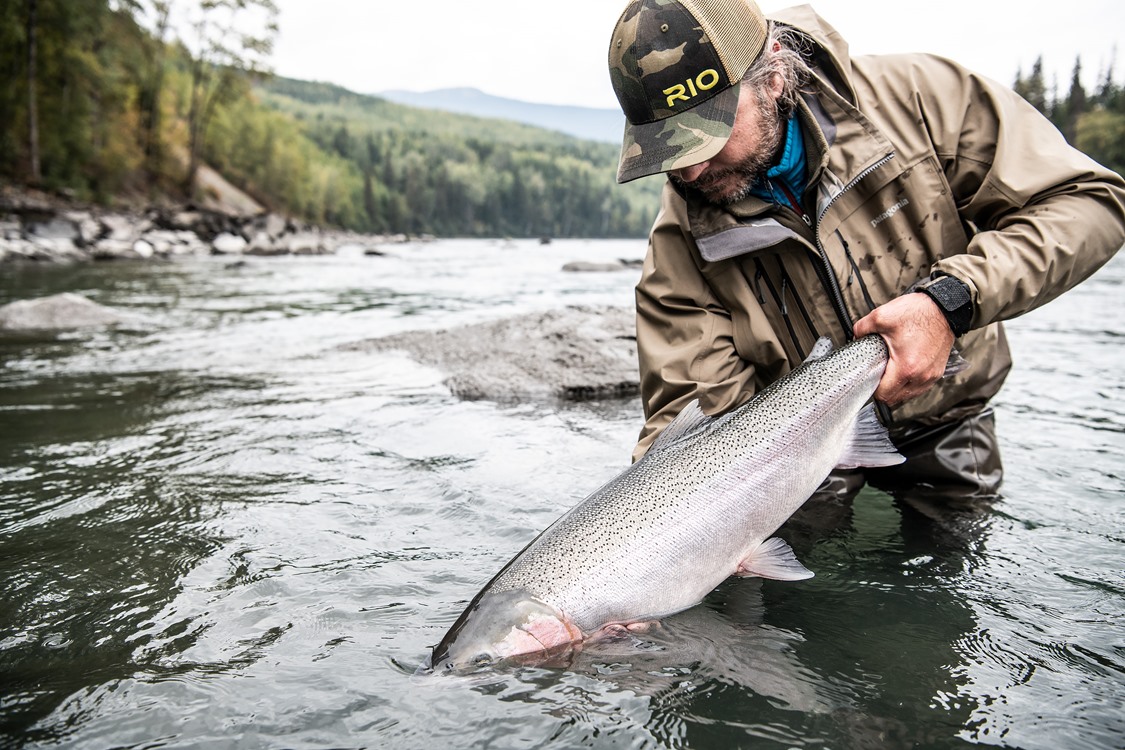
222 527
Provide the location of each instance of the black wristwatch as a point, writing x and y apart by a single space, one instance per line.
953 298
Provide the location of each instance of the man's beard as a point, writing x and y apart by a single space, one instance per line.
718 188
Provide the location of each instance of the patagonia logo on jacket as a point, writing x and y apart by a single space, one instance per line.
889 212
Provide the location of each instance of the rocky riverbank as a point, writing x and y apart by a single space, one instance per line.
36 227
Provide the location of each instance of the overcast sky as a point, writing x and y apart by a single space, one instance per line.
555 52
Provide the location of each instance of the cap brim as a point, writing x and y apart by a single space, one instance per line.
684 139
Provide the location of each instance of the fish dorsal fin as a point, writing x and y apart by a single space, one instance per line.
690 421
869 444
821 349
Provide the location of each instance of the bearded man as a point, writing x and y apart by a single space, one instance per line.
813 194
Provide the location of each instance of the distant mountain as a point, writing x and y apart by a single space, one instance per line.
589 123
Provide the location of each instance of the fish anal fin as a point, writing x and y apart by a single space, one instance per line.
773 558
869 444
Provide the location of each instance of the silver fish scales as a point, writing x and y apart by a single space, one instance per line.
700 506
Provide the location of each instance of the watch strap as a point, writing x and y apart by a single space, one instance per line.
954 300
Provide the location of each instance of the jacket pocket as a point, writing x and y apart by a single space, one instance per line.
895 234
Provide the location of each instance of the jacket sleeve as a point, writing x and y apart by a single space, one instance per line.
1048 215
685 342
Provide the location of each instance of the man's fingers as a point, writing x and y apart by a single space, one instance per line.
905 378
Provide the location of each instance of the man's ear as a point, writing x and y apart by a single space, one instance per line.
776 85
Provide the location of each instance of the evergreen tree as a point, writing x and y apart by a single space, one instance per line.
1034 89
1075 105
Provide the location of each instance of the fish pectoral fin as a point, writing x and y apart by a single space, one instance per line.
955 364
869 444
773 558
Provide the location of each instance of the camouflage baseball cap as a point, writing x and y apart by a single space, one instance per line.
675 66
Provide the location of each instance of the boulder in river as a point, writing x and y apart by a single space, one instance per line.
575 353
57 312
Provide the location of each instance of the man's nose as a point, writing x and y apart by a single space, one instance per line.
691 174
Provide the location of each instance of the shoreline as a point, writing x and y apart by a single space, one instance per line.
36 227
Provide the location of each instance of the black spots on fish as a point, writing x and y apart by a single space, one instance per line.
659 497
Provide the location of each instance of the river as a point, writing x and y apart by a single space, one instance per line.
222 526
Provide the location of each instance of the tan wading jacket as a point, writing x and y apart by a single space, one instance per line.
915 165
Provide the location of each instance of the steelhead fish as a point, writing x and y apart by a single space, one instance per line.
698 507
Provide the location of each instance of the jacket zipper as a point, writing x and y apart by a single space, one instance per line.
855 274
781 304
833 284
787 284
884 411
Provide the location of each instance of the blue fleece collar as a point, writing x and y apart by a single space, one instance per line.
790 170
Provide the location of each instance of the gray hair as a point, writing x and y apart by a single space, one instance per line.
788 63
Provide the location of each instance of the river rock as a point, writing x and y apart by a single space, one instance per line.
585 266
576 353
263 244
53 228
25 250
274 225
170 242
10 228
123 228
57 312
88 228
143 248
113 249
304 243
228 244
58 249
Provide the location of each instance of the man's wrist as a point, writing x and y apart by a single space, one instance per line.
953 298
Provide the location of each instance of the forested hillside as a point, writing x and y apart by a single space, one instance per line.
101 103
410 170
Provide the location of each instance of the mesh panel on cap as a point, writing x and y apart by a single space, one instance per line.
736 28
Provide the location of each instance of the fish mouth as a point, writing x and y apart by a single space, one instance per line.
556 657
511 627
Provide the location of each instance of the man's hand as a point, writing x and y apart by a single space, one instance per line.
919 341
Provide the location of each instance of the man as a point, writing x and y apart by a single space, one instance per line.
813 194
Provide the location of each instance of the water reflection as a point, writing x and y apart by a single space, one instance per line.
98 526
